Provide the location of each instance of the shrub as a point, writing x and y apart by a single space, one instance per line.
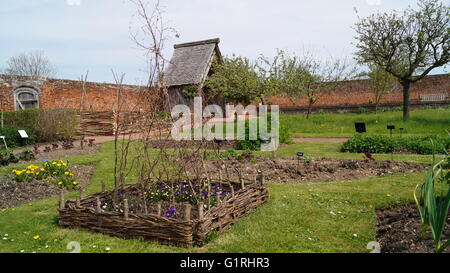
46 124
363 143
285 136
12 136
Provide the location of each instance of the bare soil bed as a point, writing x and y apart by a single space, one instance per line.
290 170
399 231
13 193
62 153
185 144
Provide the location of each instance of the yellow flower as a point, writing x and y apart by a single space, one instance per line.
60 183
71 174
30 204
42 169
54 163
37 237
37 173
75 183
59 165
66 173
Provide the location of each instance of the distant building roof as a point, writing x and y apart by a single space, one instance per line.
191 62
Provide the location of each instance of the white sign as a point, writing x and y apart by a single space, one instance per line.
23 134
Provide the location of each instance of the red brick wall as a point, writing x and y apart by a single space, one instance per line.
358 93
68 94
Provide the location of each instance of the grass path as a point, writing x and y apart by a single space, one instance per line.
309 217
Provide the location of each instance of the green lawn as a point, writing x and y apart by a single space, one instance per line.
312 217
422 122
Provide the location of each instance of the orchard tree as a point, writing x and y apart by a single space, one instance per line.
31 64
236 79
381 83
308 76
407 45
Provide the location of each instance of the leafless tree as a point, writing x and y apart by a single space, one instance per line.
308 76
32 64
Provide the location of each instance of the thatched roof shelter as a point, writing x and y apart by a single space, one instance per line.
191 62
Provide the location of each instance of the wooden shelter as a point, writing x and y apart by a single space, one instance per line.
189 67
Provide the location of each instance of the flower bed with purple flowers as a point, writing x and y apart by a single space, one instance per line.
184 213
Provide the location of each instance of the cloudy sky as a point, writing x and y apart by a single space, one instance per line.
81 35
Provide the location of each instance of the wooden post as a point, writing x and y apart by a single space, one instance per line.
81 194
103 186
259 179
125 208
62 202
82 143
99 204
200 210
187 212
158 209
232 191
78 202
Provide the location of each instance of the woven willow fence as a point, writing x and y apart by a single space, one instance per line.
192 230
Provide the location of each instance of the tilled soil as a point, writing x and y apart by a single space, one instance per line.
62 153
192 144
13 193
399 231
291 170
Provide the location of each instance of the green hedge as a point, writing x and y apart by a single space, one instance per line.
383 144
46 124
12 137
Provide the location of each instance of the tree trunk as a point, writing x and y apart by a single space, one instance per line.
406 85
309 110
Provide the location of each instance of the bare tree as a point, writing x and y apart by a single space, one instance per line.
408 45
32 64
381 83
308 76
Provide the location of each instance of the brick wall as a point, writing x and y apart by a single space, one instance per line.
357 93
68 94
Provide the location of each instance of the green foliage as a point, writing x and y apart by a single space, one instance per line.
285 136
56 172
26 155
433 201
7 157
12 136
361 143
189 91
46 124
236 80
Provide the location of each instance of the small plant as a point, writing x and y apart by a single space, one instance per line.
68 144
36 150
26 155
7 157
433 201
55 146
47 149
353 165
91 142
56 172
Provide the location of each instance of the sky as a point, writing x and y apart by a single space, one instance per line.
94 35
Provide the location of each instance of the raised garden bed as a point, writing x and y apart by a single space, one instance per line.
187 144
399 231
157 221
292 170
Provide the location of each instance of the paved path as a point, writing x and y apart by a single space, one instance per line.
340 140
